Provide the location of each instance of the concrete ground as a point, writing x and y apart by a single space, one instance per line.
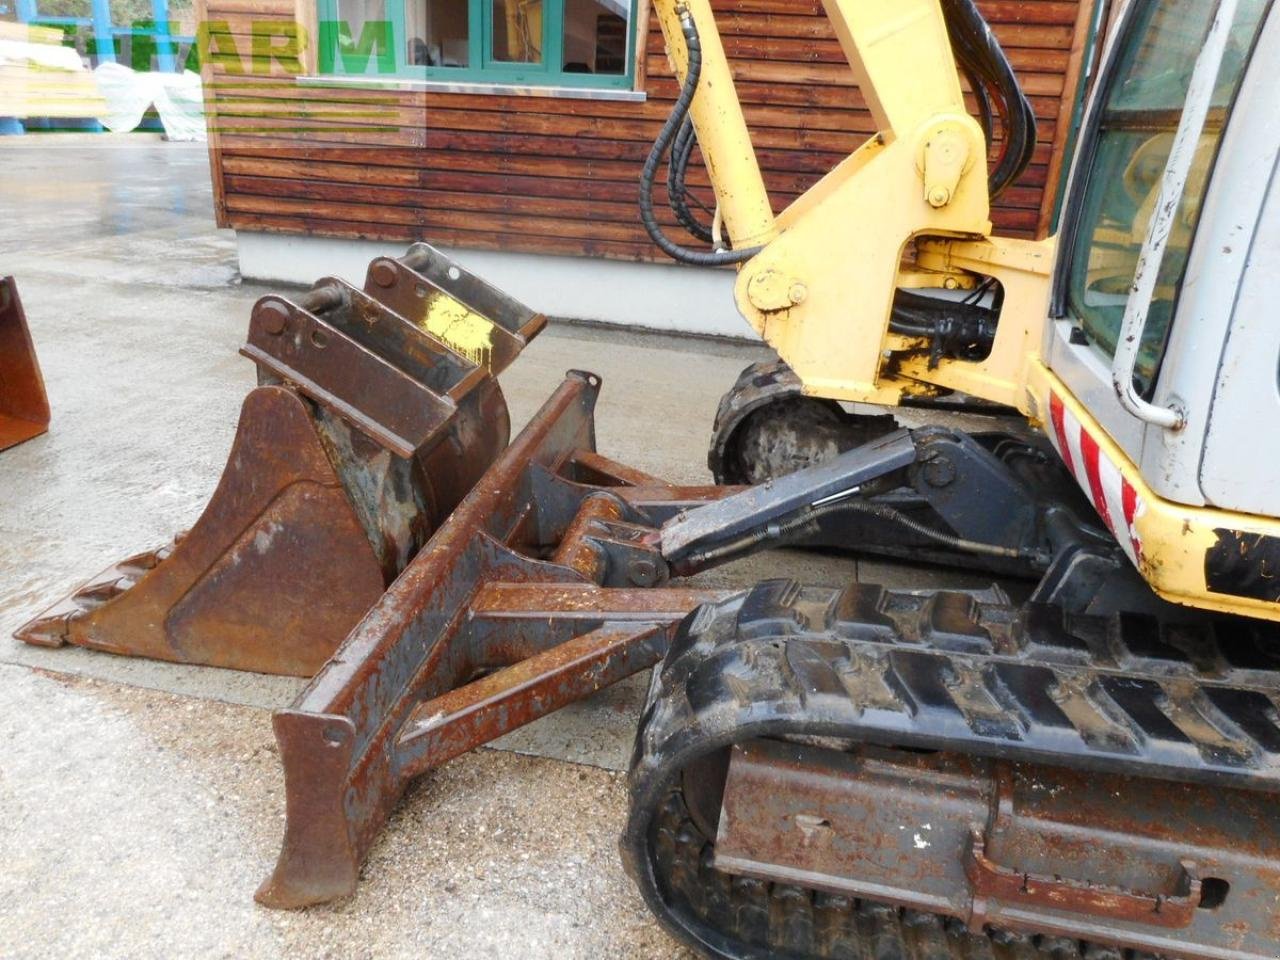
141 803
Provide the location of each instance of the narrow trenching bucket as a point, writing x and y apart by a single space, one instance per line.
24 407
376 412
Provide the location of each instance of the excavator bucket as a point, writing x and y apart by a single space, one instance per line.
24 407
376 412
526 575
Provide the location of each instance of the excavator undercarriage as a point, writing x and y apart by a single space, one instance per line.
856 772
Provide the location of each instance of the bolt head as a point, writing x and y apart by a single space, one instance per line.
939 472
272 316
642 572
939 197
383 274
798 293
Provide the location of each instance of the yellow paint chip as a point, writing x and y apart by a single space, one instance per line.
465 331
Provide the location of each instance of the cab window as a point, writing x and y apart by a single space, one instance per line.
1135 131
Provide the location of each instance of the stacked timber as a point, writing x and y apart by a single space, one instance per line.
39 77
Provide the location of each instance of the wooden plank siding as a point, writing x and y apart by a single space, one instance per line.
559 175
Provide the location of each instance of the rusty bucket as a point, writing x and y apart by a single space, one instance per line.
376 412
24 407
374 530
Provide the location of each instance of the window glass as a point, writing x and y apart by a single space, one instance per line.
571 43
359 38
437 33
517 31
1135 135
595 36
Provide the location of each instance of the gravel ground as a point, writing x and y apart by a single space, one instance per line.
136 822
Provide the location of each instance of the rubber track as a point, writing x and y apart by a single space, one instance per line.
1191 701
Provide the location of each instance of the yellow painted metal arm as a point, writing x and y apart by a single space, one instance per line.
844 240
722 129
821 291
901 58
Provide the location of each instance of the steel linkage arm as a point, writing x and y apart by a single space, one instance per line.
524 600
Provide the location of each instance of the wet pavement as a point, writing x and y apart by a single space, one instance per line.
141 802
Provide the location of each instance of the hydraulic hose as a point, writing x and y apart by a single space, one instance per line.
648 175
784 529
984 63
961 329
677 193
986 117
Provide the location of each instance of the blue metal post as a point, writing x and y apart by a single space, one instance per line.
166 61
104 38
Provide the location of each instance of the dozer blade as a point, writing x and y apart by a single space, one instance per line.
375 450
367 429
24 407
523 601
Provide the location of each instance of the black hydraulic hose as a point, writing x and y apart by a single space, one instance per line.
648 175
916 315
955 331
781 530
985 115
981 57
677 192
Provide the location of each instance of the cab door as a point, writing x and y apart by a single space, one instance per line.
1114 189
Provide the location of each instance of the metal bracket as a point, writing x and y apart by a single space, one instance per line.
991 880
757 506
399 697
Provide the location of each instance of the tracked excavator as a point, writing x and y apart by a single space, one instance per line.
1082 763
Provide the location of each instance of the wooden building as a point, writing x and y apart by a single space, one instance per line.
514 130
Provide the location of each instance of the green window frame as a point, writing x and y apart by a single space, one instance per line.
381 50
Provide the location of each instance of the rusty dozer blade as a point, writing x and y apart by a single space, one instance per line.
24 407
371 495
376 411
526 599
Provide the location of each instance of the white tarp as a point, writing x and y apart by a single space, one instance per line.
177 97
45 55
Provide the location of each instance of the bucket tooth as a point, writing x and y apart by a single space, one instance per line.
24 406
140 563
100 592
51 628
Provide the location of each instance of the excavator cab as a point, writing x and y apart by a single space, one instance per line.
1212 239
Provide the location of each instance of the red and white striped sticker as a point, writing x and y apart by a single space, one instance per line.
1114 497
